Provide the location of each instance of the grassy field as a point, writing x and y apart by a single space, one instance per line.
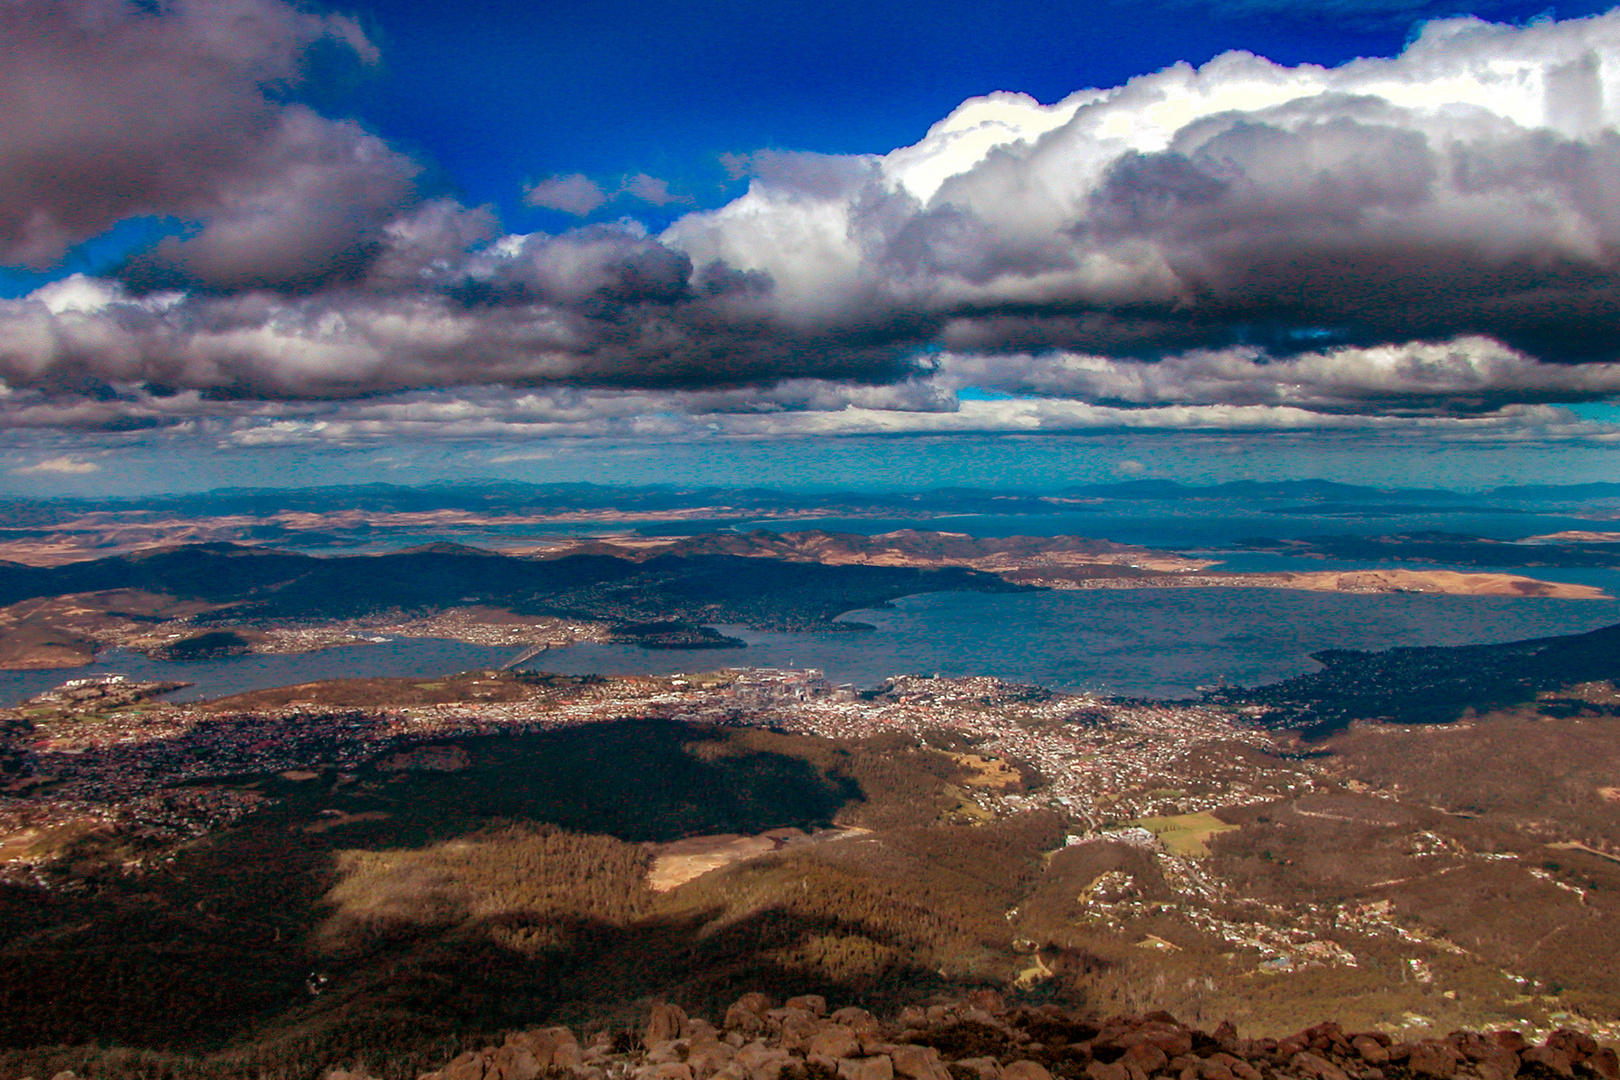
1186 834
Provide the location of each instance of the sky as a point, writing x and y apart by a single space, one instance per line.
848 244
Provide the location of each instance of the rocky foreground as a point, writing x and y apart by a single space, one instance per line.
982 1039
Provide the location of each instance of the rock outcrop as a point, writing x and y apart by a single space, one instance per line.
981 1038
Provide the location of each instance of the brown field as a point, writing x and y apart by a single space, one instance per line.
67 631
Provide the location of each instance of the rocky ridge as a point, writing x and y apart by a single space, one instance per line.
981 1038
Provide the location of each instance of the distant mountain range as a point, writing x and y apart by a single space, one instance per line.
510 497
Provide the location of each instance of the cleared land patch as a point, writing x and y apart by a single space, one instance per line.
1186 834
676 863
988 772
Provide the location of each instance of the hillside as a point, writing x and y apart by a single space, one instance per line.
656 592
1433 685
655 601
379 870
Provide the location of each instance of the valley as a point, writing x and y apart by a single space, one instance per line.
569 845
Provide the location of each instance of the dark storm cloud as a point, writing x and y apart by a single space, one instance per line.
1378 233
112 110
605 306
1467 191
1469 187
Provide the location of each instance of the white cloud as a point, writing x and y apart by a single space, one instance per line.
1469 374
1463 187
831 411
60 465
574 194
1432 239
650 189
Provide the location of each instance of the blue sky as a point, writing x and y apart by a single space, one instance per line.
501 92
492 96
246 241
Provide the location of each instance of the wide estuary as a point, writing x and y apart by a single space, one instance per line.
1137 642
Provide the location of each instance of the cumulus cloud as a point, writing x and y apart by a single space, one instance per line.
1465 187
575 194
115 110
650 189
1434 236
796 409
1466 375
604 306
579 195
631 415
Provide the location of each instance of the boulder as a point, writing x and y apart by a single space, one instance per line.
743 1021
795 1029
668 1070
550 1048
747 1014
867 1068
1097 1070
664 1023
918 1063
1578 1045
1145 1056
1326 1038
833 1041
814 1004
1604 1064
708 1056
1025 1070
1547 1061
762 1062
987 1068
1287 1048
465 1066
1312 1065
1370 1049
1433 1059
512 1062
1169 1038
861 1022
